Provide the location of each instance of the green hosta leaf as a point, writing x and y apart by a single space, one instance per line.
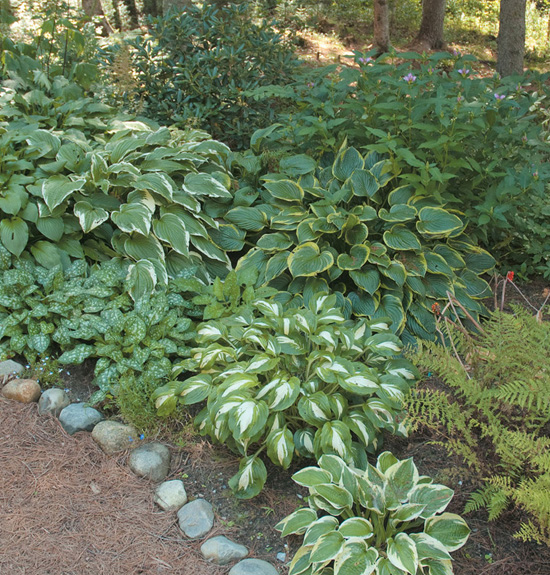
296 523
311 477
402 477
14 234
133 218
45 142
439 567
437 265
367 279
415 264
327 547
402 553
228 238
356 234
320 527
205 185
141 247
280 447
88 216
250 479
429 548
142 279
46 254
364 383
248 419
195 389
276 265
401 238
435 497
298 165
346 163
355 260
356 527
285 190
398 213
437 222
315 409
274 242
395 271
57 188
337 496
364 184
336 439
11 200
249 219
307 260
157 184
449 529
171 229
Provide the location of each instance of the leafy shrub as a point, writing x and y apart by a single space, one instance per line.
80 183
476 144
392 252
83 313
302 381
194 67
496 414
387 519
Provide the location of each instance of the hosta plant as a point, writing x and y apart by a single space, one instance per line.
386 520
390 251
301 381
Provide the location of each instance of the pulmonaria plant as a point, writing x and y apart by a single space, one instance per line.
303 381
386 520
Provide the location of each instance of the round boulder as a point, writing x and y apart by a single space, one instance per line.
221 550
113 436
53 401
151 461
253 567
10 367
22 390
79 417
170 495
196 518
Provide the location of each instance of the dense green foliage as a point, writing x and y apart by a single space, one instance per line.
476 144
501 401
386 519
392 251
300 380
194 68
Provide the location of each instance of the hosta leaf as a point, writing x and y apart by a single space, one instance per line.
298 165
303 440
297 522
320 527
367 279
133 217
205 185
11 199
249 219
250 479
171 229
141 247
429 548
357 234
364 383
46 254
402 477
228 238
437 222
276 265
435 497
449 529
14 234
157 184
336 439
437 265
355 559
356 527
346 163
401 238
398 213
57 188
142 279
337 496
309 260
327 547
248 419
364 184
415 264
439 567
208 248
285 190
402 552
315 409
355 260
280 447
395 271
195 389
88 216
311 476
274 242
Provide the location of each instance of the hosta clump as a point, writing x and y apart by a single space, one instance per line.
386 520
391 252
302 381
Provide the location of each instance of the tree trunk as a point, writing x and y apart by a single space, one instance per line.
381 26
431 28
511 37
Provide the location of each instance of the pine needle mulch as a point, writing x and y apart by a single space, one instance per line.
66 508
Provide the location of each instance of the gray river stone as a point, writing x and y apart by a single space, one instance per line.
113 436
170 495
79 417
196 518
10 367
53 401
253 567
151 461
221 550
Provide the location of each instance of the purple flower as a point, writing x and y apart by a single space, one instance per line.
409 78
363 60
463 71
310 84
499 96
459 98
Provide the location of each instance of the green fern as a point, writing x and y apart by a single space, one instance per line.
493 410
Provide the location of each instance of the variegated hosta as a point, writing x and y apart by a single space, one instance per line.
387 520
392 252
302 381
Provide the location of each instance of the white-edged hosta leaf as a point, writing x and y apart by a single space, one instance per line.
88 216
142 279
140 247
336 495
356 527
402 477
311 476
336 439
297 522
195 389
437 222
285 190
301 562
356 559
228 237
208 248
171 229
407 512
402 552
250 479
157 184
448 528
439 567
434 496
134 217
205 185
280 447
429 548
56 189
320 527
248 419
327 547
308 260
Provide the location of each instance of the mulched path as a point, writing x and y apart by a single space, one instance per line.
68 509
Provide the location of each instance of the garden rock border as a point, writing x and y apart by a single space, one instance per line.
149 460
